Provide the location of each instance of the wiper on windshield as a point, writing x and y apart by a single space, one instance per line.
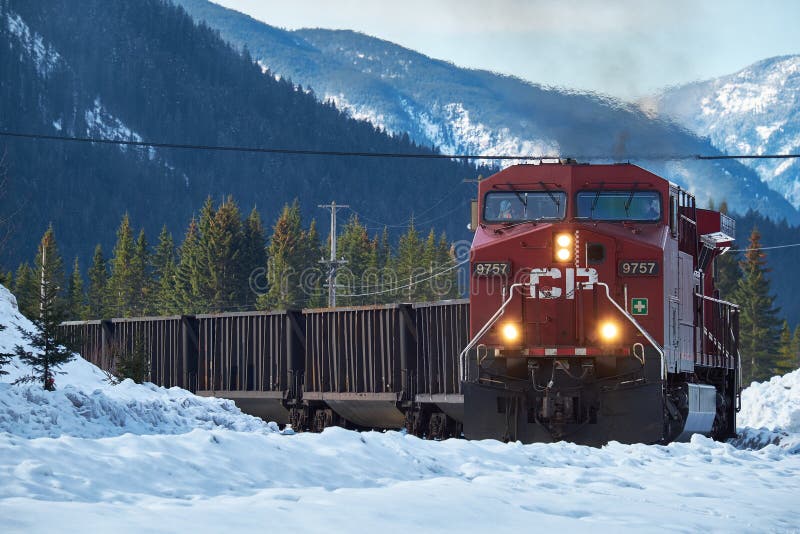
552 196
594 202
522 199
630 198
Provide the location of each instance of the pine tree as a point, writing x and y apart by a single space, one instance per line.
5 357
224 252
121 284
355 247
76 299
201 276
164 269
447 279
788 352
758 322
796 346
186 294
312 275
255 254
285 260
26 289
141 278
48 346
97 293
133 364
410 251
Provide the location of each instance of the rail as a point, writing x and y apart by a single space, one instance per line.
462 367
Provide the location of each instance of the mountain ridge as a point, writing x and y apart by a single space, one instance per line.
472 111
754 110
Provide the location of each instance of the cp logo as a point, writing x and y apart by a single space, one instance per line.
551 289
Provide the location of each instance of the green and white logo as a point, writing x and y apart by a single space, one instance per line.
639 306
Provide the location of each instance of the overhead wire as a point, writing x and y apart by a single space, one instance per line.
765 248
366 154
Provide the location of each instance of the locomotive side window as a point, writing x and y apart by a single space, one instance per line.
519 206
633 205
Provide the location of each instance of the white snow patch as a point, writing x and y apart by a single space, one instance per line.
45 57
102 124
133 458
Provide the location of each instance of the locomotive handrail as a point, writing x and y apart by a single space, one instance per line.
636 324
718 301
462 368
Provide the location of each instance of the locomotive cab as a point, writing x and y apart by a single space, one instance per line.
587 309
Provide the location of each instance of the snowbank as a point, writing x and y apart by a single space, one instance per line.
133 458
771 414
87 405
773 405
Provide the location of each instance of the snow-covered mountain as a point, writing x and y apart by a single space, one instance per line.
753 111
469 111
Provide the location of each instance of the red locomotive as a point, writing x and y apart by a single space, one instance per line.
593 311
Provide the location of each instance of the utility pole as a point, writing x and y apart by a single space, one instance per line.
333 263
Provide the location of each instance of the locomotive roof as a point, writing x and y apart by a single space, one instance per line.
575 174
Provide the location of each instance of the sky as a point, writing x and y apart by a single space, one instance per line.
625 48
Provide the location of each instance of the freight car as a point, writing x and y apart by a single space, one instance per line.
362 367
593 316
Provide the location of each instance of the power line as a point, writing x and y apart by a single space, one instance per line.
399 155
765 248
412 284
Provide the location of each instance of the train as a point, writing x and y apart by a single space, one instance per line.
593 316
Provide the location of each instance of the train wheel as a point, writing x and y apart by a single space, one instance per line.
417 421
298 418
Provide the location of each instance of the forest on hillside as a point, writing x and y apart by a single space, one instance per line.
158 76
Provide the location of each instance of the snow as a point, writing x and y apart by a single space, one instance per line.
102 124
43 55
131 458
752 111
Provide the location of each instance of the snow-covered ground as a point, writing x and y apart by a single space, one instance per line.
137 458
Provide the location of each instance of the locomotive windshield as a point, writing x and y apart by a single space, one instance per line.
619 205
516 206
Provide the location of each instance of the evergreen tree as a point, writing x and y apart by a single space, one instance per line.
186 294
224 249
97 293
141 278
5 357
133 364
758 322
355 247
48 345
312 274
255 254
789 350
26 289
76 299
121 284
410 252
286 258
447 280
164 269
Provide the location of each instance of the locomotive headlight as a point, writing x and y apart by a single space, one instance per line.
510 333
609 331
563 248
